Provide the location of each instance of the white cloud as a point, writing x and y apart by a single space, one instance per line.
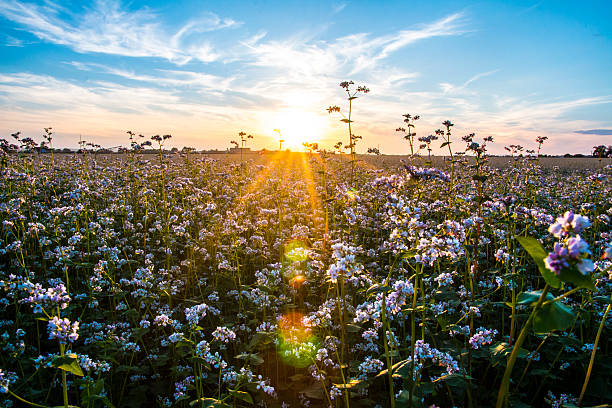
450 88
108 28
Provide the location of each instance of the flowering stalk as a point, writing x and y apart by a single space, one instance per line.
346 85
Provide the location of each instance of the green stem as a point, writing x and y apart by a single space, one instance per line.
503 389
64 381
387 354
590 369
26 401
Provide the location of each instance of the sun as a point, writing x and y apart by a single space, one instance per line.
295 127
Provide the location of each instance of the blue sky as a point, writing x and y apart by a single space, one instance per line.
203 71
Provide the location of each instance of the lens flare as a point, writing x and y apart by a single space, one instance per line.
296 251
297 345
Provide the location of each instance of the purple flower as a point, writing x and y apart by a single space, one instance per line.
585 266
576 246
569 222
63 330
557 259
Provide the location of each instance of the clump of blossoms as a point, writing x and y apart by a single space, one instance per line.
483 336
63 330
345 264
569 223
426 173
571 250
223 334
195 313
370 365
39 297
6 379
561 401
424 351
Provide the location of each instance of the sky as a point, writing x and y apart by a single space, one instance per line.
203 71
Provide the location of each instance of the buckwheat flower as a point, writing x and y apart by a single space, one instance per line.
444 279
175 337
202 348
557 259
370 335
316 373
224 334
263 385
483 336
588 347
501 256
162 320
576 246
321 354
585 266
569 222
40 297
181 386
6 378
370 365
580 223
561 401
195 313
607 253
334 392
62 330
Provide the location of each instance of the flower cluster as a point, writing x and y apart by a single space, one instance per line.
572 250
63 330
481 337
224 334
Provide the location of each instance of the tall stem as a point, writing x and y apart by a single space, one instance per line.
503 389
590 369
64 381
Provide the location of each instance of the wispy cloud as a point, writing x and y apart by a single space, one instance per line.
450 88
600 132
198 81
110 29
338 7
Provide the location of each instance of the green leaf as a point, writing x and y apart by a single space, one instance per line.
68 363
261 338
252 358
403 368
455 380
354 383
538 253
241 395
444 144
208 402
503 349
604 299
353 328
572 275
346 121
553 316
530 298
377 288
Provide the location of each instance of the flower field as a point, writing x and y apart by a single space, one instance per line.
303 279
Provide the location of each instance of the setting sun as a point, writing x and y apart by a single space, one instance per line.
295 127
